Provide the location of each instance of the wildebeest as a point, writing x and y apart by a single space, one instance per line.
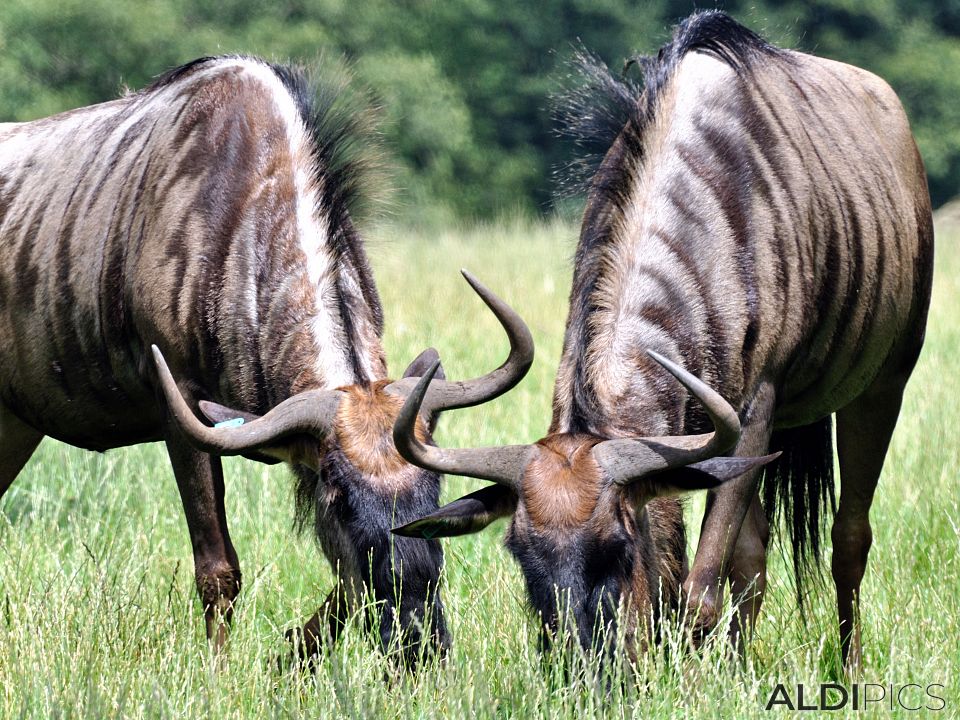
210 215
762 220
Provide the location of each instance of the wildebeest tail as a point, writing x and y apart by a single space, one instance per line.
798 489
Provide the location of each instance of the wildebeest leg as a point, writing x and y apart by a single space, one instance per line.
864 428
748 573
325 625
726 508
217 569
17 443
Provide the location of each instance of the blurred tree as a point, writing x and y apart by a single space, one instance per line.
58 54
465 84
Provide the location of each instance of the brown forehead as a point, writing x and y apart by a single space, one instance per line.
364 430
561 484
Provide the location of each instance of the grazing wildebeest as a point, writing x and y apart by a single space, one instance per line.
209 214
762 220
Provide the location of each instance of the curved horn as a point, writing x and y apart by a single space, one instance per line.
308 412
446 395
626 460
503 465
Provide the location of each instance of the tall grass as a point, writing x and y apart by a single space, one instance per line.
99 617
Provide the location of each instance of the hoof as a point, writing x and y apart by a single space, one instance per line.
305 644
701 616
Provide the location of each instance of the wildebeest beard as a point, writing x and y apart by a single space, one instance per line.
352 519
576 589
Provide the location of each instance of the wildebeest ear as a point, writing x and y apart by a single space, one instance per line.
216 413
469 514
704 475
423 362
418 368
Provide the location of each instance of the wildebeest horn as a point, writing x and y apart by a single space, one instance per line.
503 465
309 413
629 459
447 395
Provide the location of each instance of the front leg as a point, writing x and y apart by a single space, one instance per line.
323 627
217 569
748 573
720 546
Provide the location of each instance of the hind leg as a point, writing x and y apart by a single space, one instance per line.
17 443
864 428
748 573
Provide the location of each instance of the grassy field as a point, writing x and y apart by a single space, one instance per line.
100 617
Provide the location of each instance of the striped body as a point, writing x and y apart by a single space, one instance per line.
763 220
208 216
771 226
755 254
187 215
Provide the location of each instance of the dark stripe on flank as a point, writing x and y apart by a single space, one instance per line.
119 155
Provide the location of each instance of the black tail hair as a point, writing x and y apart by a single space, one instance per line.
799 488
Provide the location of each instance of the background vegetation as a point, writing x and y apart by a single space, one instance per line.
464 84
99 616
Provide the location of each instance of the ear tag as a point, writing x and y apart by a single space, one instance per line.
428 533
234 422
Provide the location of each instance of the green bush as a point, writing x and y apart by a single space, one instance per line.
464 84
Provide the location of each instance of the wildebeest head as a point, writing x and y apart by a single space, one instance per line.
340 443
590 527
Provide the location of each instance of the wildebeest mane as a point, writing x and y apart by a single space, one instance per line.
599 109
597 106
344 156
345 143
172 75
342 138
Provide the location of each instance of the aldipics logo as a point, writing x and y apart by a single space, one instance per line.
859 696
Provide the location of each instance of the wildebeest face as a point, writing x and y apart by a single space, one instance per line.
569 535
354 514
363 489
357 487
574 533
590 528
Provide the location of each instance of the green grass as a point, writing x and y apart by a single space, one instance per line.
99 618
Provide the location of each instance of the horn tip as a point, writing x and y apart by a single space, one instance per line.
666 363
421 529
657 356
432 370
470 278
158 358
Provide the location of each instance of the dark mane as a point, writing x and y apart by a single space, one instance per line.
173 74
339 119
342 134
598 106
601 109
345 144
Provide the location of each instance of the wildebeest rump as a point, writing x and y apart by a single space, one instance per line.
211 215
761 219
